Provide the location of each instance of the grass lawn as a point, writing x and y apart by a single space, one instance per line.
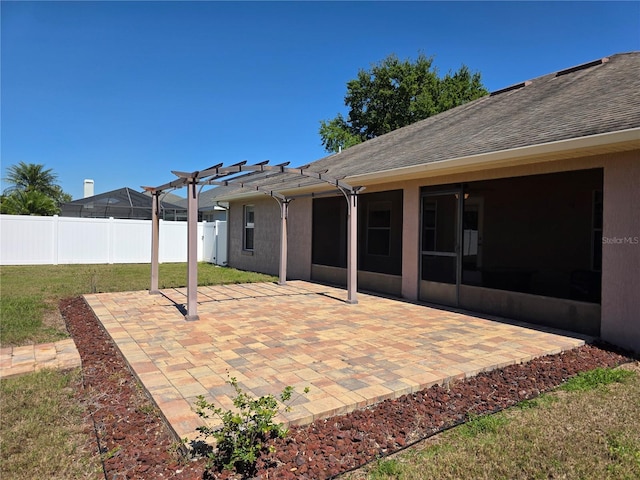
42 424
589 428
29 294
42 428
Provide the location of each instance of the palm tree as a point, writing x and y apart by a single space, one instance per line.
28 202
33 191
31 177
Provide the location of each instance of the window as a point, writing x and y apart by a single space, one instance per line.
379 228
248 225
379 232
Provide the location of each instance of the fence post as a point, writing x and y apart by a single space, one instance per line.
202 230
215 242
110 242
161 230
56 239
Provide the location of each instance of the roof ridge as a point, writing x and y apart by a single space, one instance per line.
582 66
559 73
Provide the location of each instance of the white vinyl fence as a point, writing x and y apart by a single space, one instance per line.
31 240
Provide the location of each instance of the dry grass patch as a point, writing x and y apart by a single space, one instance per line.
44 428
587 433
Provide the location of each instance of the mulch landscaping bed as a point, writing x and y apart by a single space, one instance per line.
135 443
132 438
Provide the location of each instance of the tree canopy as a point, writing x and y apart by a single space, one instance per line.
32 191
393 94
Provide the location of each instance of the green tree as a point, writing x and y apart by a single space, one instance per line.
28 202
337 135
32 191
61 196
393 94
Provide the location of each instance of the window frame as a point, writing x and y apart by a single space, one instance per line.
380 205
248 227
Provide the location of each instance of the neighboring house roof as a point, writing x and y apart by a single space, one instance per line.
170 198
587 101
123 202
207 200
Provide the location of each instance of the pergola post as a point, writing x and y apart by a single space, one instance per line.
214 175
284 209
155 241
352 248
192 249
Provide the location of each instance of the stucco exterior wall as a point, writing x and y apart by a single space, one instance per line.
620 320
300 226
266 253
621 252
265 257
411 242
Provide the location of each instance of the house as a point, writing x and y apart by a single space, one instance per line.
523 204
209 209
122 203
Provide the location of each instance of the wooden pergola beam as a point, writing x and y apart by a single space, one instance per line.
213 176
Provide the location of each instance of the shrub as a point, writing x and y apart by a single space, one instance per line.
245 430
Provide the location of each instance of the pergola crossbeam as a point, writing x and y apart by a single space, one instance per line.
228 176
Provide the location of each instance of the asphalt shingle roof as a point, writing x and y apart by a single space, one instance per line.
595 98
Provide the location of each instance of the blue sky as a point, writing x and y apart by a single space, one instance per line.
124 92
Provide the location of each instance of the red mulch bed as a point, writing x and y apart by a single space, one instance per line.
135 443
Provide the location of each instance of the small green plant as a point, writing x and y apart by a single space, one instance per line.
477 425
244 430
595 378
384 469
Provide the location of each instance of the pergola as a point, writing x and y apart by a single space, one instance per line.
261 177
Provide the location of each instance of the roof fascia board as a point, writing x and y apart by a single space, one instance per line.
630 136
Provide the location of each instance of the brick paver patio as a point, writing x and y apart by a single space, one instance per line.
32 358
303 334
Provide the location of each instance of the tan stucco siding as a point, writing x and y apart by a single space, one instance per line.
265 257
411 241
620 320
621 252
299 225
